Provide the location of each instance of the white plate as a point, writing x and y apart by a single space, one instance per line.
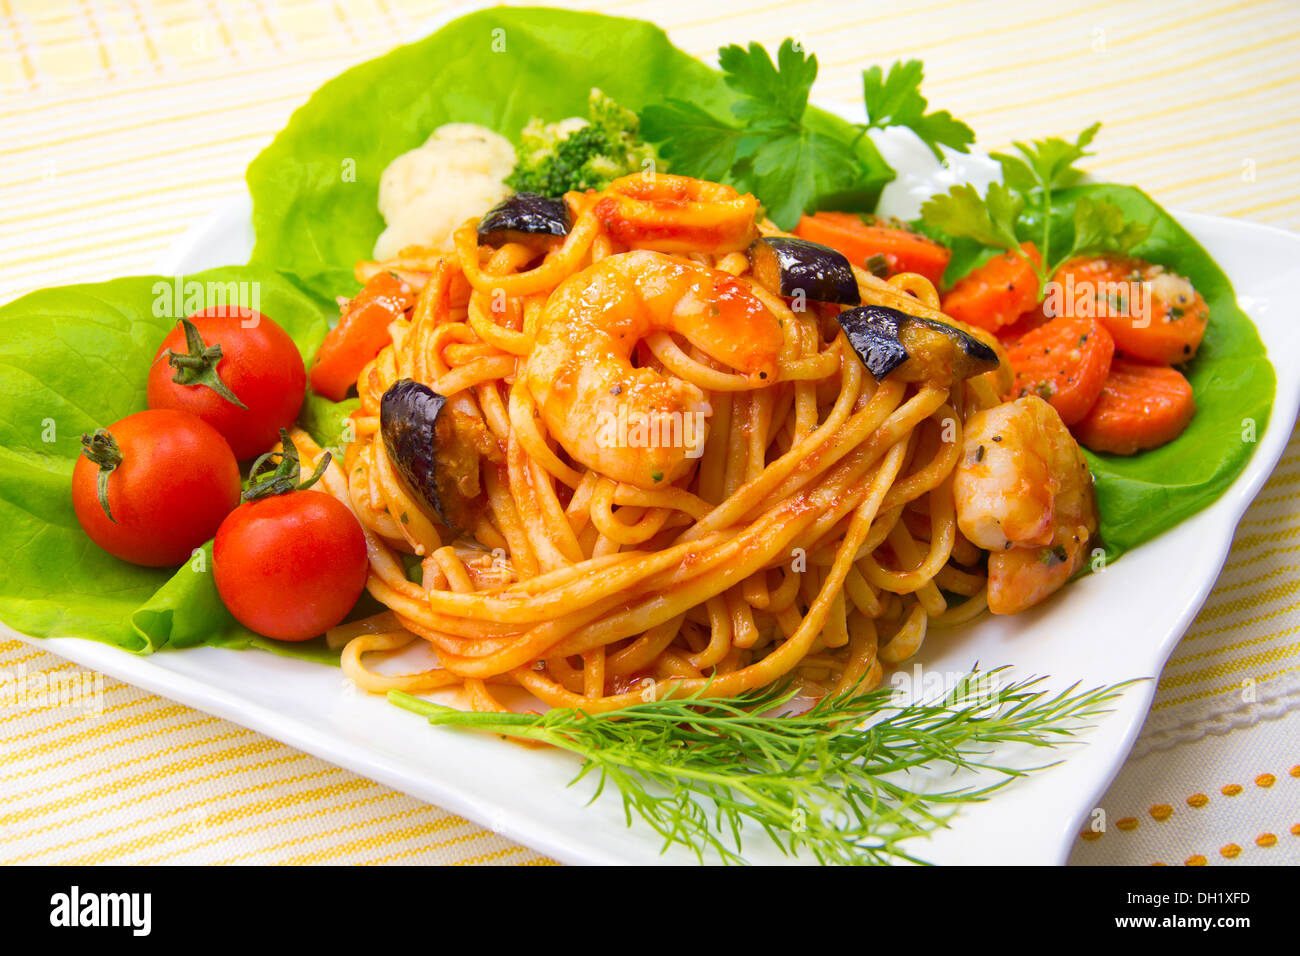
1112 626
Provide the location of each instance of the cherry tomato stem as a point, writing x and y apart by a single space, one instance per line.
101 448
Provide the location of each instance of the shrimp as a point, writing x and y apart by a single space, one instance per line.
678 214
638 425
1024 493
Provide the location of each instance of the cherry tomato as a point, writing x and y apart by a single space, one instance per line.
290 566
238 354
169 479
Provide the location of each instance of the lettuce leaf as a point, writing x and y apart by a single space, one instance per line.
1140 496
315 188
187 612
324 420
71 359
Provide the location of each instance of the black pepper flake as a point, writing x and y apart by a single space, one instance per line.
997 438
616 390
979 453
1059 555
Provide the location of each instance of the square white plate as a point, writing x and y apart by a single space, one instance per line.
1112 626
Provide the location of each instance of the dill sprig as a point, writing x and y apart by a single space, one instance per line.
836 781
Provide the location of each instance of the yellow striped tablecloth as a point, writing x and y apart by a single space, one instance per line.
125 121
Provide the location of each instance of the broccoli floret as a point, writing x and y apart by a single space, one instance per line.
577 154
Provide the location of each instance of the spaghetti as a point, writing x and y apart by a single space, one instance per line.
814 535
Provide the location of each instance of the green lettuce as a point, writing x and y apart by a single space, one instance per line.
315 188
71 359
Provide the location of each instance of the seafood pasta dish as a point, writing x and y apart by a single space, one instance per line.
640 437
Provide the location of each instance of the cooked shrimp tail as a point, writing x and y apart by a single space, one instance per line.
1024 493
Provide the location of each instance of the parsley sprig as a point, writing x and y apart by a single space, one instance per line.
894 99
1022 205
835 781
773 150
770 151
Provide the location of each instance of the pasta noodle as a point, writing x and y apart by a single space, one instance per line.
813 538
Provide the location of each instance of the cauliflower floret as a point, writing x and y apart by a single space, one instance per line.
427 193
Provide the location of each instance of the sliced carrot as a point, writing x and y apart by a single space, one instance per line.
998 292
1027 322
361 334
1140 407
1064 362
902 249
1153 314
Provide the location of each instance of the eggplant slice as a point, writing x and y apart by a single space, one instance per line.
423 445
789 266
523 215
912 349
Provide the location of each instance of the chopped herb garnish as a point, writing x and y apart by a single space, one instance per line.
1054 556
